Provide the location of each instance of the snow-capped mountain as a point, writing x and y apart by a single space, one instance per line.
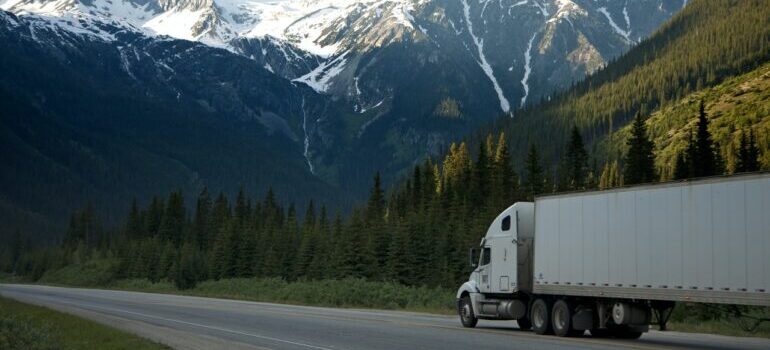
342 88
525 48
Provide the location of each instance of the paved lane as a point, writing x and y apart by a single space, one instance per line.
205 323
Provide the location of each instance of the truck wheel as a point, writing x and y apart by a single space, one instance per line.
540 315
524 323
465 310
561 317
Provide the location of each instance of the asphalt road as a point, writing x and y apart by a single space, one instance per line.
205 323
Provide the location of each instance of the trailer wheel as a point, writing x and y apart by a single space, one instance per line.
465 310
540 315
561 317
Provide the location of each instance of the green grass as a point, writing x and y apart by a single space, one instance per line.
29 327
92 273
721 327
346 293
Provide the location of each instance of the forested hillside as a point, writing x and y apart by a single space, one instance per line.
706 43
738 108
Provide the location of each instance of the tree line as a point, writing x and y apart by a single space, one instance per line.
416 233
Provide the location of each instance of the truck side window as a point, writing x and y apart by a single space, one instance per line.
506 223
486 256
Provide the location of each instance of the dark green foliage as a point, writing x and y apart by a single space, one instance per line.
681 169
748 154
575 166
639 165
705 160
534 182
190 269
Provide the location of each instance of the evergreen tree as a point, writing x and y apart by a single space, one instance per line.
242 208
506 181
134 227
576 162
308 243
173 222
187 271
202 221
319 265
681 167
154 217
748 154
705 161
534 181
480 189
639 164
374 222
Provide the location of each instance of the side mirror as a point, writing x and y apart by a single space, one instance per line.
473 256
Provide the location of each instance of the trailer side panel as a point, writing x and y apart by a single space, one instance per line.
705 240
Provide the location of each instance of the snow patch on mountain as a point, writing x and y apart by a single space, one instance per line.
306 152
482 61
623 33
319 79
527 70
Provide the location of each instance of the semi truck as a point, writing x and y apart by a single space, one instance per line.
613 262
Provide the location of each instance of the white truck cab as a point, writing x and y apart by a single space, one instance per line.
503 268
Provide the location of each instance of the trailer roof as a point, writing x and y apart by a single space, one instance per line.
673 183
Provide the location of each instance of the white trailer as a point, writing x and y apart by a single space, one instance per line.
605 261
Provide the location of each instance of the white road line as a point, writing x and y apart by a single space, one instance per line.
205 326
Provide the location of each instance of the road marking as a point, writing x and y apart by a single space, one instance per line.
202 326
343 315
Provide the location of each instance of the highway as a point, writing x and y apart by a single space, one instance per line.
184 322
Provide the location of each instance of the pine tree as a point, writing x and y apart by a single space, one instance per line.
374 222
705 161
753 163
242 209
202 221
505 181
173 222
534 181
681 167
134 227
308 243
480 180
639 165
319 265
187 271
748 154
576 162
154 217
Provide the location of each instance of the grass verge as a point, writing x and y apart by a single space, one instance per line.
29 327
346 293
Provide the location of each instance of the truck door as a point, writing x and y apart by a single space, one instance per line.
503 276
503 265
485 269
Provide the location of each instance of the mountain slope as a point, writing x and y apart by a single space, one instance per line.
84 120
101 102
733 107
700 47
